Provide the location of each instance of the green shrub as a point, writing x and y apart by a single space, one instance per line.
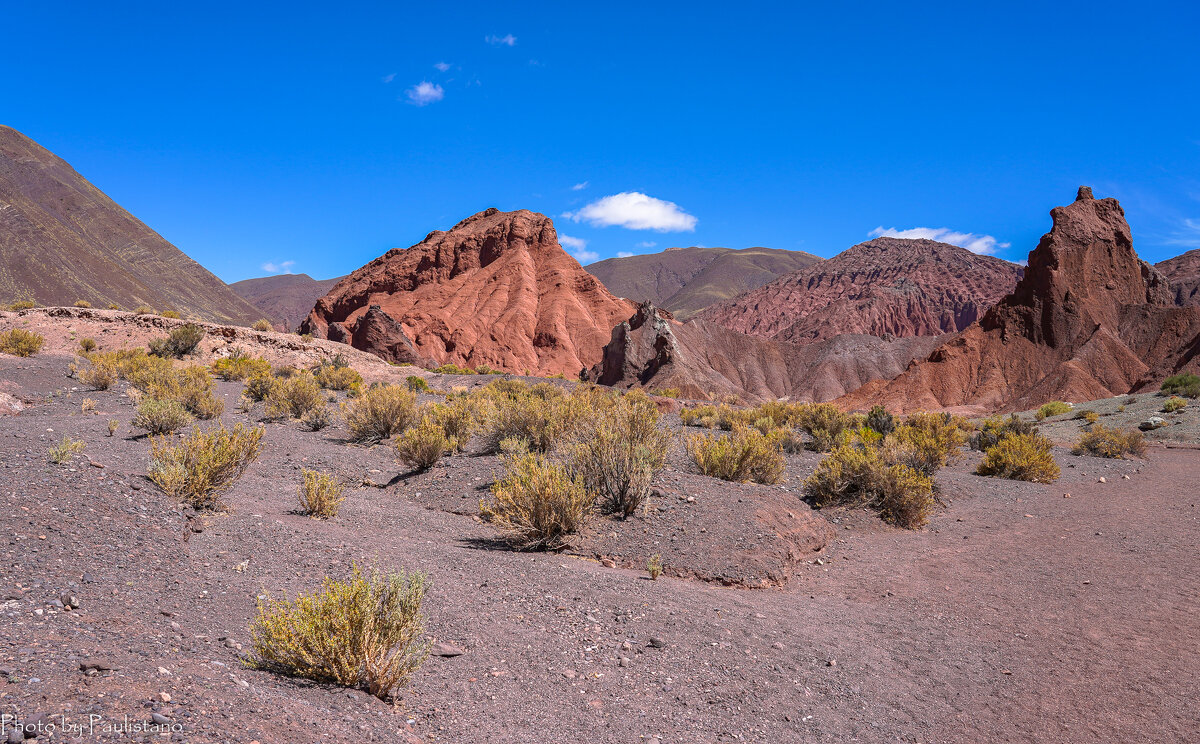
179 343
21 305
263 325
365 632
20 342
259 385
880 420
87 345
320 495
920 449
143 310
459 418
1102 441
1025 457
824 422
416 384
996 428
66 449
379 412
294 397
204 464
1173 404
1053 408
160 416
239 366
538 504
542 415
704 416
192 386
338 378
421 446
453 369
1185 384
742 455
666 392
1089 417
654 566
316 419
618 455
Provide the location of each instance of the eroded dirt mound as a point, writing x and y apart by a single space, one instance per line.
1088 320
884 287
497 289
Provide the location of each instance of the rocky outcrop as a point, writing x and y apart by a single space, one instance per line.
1088 320
63 240
497 289
704 360
1183 273
884 287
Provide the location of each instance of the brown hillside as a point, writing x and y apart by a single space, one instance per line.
285 299
62 240
1183 272
497 289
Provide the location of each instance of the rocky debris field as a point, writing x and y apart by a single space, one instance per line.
1022 612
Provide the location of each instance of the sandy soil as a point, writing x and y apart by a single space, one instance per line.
1018 614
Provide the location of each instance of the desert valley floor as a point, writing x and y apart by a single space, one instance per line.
1021 612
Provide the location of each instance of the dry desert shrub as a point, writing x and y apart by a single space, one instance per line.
454 369
316 419
113 425
191 386
87 345
82 304
204 464
262 324
704 416
542 414
239 366
294 397
538 504
160 416
654 566
1088 417
421 446
995 428
20 342
460 417
1025 457
1103 441
1185 384
100 374
620 452
336 374
416 384
365 632
742 455
1053 408
143 310
320 494
66 449
171 314
855 475
179 342
1173 404
379 412
21 305
258 386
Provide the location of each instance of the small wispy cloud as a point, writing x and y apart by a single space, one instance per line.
1187 236
442 66
577 247
985 245
623 254
388 78
424 93
635 211
647 244
283 267
580 186
506 40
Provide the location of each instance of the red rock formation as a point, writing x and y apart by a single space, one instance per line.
884 287
1089 320
1183 272
496 289
702 359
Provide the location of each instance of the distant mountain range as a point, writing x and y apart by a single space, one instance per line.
284 299
687 280
62 240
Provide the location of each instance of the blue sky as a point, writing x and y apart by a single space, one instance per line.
314 137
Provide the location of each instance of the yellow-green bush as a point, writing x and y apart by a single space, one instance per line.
294 397
379 412
460 417
258 386
338 378
1173 404
1053 408
82 304
995 428
542 414
262 324
316 419
364 632
416 384
160 416
1025 457
239 366
20 342
320 494
619 453
704 415
1185 384
824 422
171 314
538 504
204 464
66 449
453 369
742 455
1102 441
87 345
421 446
21 305
1088 417
100 374
143 310
855 475
179 342
192 386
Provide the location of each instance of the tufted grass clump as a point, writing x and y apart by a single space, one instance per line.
262 325
240 366
179 342
618 455
421 446
1024 457
66 449
20 342
320 494
742 455
538 504
160 416
1173 404
364 632
1053 408
1185 384
379 412
204 464
1103 441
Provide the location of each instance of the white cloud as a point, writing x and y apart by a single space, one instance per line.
506 40
424 93
283 267
636 211
389 78
623 254
442 66
577 247
1188 237
982 244
647 244
580 186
